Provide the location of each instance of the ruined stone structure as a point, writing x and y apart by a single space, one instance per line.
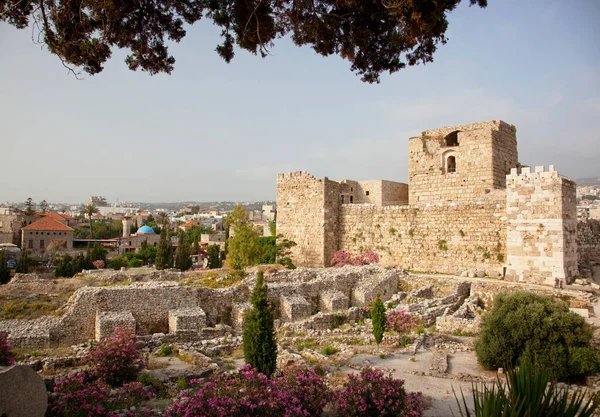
469 205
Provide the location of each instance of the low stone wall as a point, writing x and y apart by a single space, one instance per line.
456 325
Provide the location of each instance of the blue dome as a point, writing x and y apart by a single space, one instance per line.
145 229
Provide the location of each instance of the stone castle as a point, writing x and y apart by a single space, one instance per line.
469 205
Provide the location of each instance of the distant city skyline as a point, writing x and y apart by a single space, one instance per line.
218 132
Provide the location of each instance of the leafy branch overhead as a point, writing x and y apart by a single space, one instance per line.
376 36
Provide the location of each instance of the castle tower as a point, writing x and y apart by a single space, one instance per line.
460 163
307 213
127 223
541 231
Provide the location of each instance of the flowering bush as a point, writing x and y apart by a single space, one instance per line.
80 395
400 322
99 264
342 258
116 359
7 357
298 392
302 391
375 394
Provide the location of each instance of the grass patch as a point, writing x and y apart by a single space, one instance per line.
308 343
329 350
214 279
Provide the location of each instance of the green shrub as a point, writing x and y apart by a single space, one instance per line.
164 350
532 330
182 383
135 263
328 350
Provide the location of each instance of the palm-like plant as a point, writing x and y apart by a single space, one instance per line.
528 392
89 211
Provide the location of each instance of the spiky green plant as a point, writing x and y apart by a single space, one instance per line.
528 392
378 319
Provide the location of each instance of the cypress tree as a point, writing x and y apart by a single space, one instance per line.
164 254
260 347
183 259
4 271
378 319
23 264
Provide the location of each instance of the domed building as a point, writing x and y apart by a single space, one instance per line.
133 242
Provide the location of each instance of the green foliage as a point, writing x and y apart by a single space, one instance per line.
23 263
528 392
164 350
135 263
329 350
375 36
4 271
117 262
147 253
243 247
268 249
462 234
29 207
500 257
182 383
532 330
158 386
258 337
273 228
378 319
98 252
193 234
67 266
183 255
486 255
442 245
213 252
392 231
164 253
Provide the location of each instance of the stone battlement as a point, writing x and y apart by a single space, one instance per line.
297 174
493 124
525 175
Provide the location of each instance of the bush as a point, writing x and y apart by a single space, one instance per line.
400 322
342 258
529 329
297 392
7 357
135 263
375 394
116 359
81 395
117 262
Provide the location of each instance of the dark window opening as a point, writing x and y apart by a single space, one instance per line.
351 199
30 244
342 199
367 193
42 244
451 164
452 139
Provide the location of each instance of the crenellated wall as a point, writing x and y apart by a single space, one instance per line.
541 226
588 243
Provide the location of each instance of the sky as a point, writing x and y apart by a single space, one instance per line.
214 131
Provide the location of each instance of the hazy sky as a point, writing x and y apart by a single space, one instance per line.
213 131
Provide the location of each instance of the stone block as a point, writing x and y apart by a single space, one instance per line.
188 320
108 321
238 313
23 392
294 307
331 301
583 312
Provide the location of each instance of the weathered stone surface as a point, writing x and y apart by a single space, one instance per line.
23 392
187 320
108 321
331 301
294 307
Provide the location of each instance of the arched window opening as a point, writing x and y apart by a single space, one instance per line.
451 164
452 139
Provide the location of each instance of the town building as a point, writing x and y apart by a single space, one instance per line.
37 237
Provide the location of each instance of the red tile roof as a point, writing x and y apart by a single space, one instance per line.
48 223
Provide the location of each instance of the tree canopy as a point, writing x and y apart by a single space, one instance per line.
374 35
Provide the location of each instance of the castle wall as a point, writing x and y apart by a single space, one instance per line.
588 243
483 156
377 192
542 226
438 238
